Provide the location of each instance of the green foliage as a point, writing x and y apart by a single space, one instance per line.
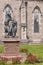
31 58
24 50
16 60
34 49
1 48
3 62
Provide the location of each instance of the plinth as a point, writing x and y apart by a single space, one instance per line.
11 46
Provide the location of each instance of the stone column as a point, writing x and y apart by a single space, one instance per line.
23 22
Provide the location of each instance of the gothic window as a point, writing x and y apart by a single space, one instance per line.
36 13
8 13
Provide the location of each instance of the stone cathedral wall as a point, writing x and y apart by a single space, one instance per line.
34 36
15 5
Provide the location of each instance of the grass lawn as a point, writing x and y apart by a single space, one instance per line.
1 48
34 49
31 64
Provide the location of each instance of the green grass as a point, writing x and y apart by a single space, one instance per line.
31 64
1 48
34 49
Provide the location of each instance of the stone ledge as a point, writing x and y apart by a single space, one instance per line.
10 40
24 40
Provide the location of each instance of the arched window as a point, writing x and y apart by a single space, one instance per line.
36 13
7 11
8 6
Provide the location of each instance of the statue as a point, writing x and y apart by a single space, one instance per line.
14 28
10 26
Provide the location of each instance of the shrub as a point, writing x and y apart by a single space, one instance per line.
24 50
32 59
16 60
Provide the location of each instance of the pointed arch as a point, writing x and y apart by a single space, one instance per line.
36 13
8 7
37 7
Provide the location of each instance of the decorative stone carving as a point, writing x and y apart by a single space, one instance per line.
23 21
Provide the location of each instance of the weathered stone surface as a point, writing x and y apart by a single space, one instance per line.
11 47
15 5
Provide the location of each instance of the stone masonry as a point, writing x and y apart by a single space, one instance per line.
23 18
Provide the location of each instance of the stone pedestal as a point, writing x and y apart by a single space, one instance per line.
11 46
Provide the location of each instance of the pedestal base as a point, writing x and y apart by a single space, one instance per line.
11 46
11 49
